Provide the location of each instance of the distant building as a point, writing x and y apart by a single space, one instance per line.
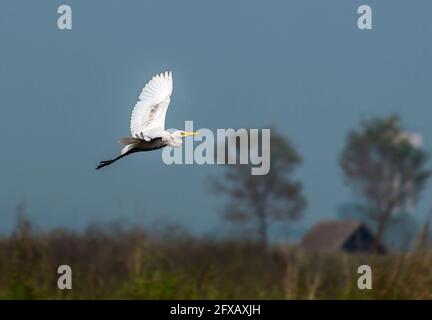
333 236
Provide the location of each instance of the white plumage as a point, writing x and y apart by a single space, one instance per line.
148 115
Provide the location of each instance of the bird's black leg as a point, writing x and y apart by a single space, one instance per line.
104 163
108 162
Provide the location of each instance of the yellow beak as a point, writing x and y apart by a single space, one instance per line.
188 133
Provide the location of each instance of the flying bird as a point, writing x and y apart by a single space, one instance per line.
147 124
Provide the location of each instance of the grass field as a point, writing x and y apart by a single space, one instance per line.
116 263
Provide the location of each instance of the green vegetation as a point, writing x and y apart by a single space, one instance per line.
117 263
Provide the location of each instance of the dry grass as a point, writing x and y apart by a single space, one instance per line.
113 263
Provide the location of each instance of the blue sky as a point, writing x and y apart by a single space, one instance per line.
301 66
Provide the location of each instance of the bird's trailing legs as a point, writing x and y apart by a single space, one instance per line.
108 162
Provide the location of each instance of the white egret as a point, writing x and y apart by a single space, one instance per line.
147 125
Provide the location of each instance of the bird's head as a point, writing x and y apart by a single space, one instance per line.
176 137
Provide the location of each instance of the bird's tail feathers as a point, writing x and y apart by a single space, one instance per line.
128 148
128 140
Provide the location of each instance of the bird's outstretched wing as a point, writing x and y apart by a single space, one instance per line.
149 112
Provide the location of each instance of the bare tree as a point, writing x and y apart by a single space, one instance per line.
385 165
262 199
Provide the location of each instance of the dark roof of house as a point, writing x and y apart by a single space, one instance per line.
330 235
